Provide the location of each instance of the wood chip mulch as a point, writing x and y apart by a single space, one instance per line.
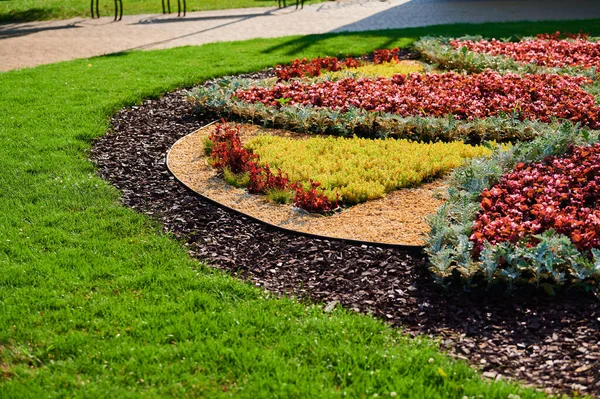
549 342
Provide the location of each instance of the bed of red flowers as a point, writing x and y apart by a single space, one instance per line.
302 67
227 151
536 97
560 193
545 50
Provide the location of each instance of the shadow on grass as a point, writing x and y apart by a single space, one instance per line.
9 31
113 55
158 20
303 43
32 14
396 37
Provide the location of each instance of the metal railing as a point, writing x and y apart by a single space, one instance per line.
118 9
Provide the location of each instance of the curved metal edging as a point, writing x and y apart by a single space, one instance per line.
415 249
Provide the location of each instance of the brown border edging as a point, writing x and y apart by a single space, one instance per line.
417 249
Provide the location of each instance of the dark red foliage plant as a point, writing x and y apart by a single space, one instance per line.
301 68
312 200
385 55
560 193
551 50
228 152
531 96
351 63
558 35
262 179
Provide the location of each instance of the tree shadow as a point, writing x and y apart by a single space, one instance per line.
303 43
157 20
227 21
30 15
10 31
404 36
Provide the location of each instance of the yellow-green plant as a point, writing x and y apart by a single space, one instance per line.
238 180
207 147
361 169
280 196
386 69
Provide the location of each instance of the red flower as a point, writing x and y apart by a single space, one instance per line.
558 193
228 152
545 50
534 97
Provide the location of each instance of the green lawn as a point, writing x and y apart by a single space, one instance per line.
39 10
96 302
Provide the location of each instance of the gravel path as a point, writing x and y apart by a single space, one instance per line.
30 44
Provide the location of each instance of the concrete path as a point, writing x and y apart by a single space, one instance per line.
30 44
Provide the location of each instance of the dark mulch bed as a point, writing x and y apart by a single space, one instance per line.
552 342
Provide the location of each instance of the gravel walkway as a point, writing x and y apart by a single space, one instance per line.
30 44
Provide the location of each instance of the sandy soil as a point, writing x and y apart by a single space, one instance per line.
396 219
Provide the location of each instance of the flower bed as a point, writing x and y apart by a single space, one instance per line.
534 97
397 219
455 54
526 214
300 68
219 100
545 50
324 172
542 236
559 193
242 165
358 169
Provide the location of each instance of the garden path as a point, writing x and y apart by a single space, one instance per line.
35 43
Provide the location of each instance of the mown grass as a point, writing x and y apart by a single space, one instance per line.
96 302
40 10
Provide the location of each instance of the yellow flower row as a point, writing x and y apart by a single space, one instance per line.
386 70
361 169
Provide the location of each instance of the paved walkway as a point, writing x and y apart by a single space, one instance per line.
29 44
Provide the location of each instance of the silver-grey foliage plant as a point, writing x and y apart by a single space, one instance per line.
439 51
554 259
220 98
